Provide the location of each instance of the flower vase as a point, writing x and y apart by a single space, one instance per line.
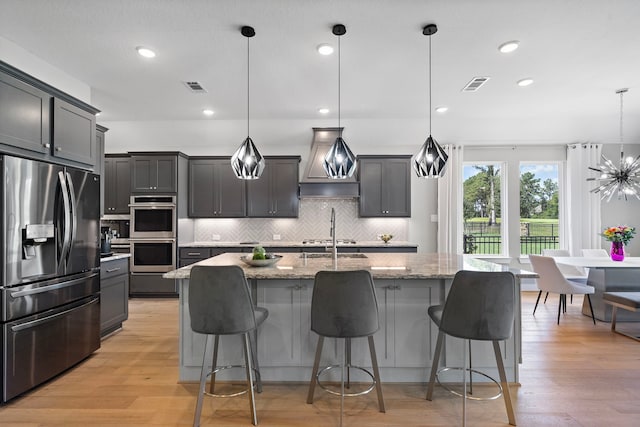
617 251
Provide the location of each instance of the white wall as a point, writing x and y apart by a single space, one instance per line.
22 59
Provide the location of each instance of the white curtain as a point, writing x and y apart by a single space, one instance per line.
583 206
450 203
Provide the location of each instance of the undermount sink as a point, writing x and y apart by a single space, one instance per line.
328 255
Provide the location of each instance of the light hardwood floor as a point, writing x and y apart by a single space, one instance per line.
574 374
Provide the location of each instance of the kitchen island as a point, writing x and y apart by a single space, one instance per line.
406 285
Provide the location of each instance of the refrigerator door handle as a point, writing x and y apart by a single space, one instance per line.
48 288
74 211
67 220
34 323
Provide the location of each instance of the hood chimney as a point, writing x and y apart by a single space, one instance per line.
315 182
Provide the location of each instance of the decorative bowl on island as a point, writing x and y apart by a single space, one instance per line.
270 259
386 237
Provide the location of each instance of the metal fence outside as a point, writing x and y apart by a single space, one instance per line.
478 244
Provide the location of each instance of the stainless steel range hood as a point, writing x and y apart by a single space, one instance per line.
315 183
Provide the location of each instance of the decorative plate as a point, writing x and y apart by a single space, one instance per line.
248 259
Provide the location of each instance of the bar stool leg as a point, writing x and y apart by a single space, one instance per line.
464 387
347 343
434 365
314 372
254 348
376 373
249 369
344 362
505 385
214 363
203 382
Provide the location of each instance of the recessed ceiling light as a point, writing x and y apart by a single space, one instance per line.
207 112
146 52
509 46
325 49
323 110
525 82
442 109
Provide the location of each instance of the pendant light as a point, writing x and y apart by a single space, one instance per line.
623 179
247 162
431 160
339 163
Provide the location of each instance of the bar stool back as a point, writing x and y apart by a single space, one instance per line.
220 304
344 305
480 306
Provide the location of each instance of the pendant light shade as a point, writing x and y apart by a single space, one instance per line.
247 162
431 160
622 179
340 162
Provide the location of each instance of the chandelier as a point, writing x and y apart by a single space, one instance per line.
622 179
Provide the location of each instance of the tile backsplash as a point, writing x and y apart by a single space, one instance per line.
313 223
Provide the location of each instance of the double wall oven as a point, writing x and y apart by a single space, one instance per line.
152 238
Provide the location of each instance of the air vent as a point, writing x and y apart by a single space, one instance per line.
195 87
475 84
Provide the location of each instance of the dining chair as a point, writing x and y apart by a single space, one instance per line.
595 253
550 279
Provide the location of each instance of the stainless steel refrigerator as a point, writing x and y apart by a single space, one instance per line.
50 271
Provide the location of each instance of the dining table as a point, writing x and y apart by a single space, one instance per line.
606 275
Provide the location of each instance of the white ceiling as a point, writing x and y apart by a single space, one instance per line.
577 51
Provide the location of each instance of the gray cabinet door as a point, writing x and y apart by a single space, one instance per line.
74 133
24 115
275 194
117 185
214 191
385 186
114 294
154 174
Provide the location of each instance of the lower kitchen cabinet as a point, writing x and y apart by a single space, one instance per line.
285 337
152 285
114 294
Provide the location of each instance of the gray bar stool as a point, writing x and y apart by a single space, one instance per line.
480 306
344 305
220 304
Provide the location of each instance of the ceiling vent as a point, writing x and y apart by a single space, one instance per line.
475 84
195 87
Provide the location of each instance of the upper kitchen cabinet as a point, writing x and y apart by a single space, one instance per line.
24 115
275 193
74 133
152 173
40 122
117 184
385 186
214 191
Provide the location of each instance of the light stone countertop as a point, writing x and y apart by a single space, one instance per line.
297 243
114 257
381 265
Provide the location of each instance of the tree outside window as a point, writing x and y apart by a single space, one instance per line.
482 208
539 211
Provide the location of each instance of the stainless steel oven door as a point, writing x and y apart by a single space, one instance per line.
153 217
152 255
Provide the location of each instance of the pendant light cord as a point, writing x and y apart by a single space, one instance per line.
429 85
621 135
248 87
339 128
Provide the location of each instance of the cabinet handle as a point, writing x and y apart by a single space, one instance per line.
194 253
58 149
111 270
46 145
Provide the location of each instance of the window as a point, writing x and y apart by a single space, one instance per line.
539 207
482 213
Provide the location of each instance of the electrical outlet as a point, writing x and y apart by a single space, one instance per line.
276 237
215 237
